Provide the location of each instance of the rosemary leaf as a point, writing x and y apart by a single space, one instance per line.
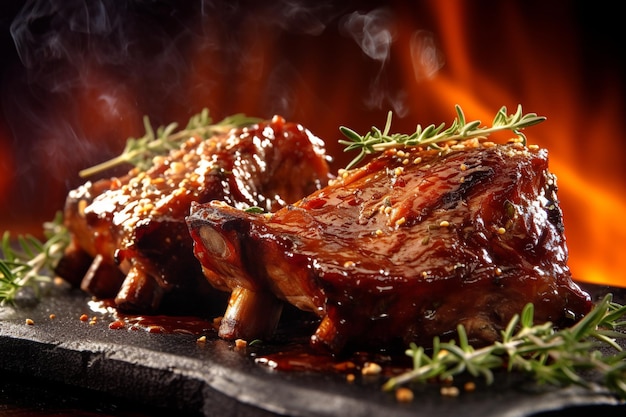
556 357
432 136
139 152
30 264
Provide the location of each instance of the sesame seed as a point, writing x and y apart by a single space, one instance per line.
401 154
177 167
350 378
400 221
444 223
398 171
388 210
417 160
348 264
501 230
371 368
498 272
379 232
84 317
450 391
201 339
30 322
53 316
405 161
463 167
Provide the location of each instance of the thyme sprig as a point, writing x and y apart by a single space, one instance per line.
556 357
431 136
29 263
140 151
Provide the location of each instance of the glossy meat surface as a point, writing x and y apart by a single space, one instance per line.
130 232
407 247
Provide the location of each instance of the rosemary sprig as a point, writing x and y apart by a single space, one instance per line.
551 356
140 151
430 136
30 265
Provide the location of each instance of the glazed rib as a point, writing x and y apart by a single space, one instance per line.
130 240
406 248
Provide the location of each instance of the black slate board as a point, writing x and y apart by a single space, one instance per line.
173 371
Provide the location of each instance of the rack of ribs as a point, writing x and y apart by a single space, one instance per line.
130 241
403 249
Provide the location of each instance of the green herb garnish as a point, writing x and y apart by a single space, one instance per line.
550 356
30 262
377 141
139 152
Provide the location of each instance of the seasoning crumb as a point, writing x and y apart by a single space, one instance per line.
201 339
240 344
371 368
84 317
451 391
348 264
53 316
30 322
217 321
404 395
117 324
350 378
469 386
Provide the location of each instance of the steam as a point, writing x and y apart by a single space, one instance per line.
375 32
372 31
427 58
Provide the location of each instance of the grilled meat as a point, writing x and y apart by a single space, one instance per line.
130 240
405 248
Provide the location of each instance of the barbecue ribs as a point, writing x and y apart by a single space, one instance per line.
405 248
130 240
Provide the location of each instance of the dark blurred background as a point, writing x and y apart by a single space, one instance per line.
77 77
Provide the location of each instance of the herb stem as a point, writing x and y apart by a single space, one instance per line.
551 356
430 136
140 152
